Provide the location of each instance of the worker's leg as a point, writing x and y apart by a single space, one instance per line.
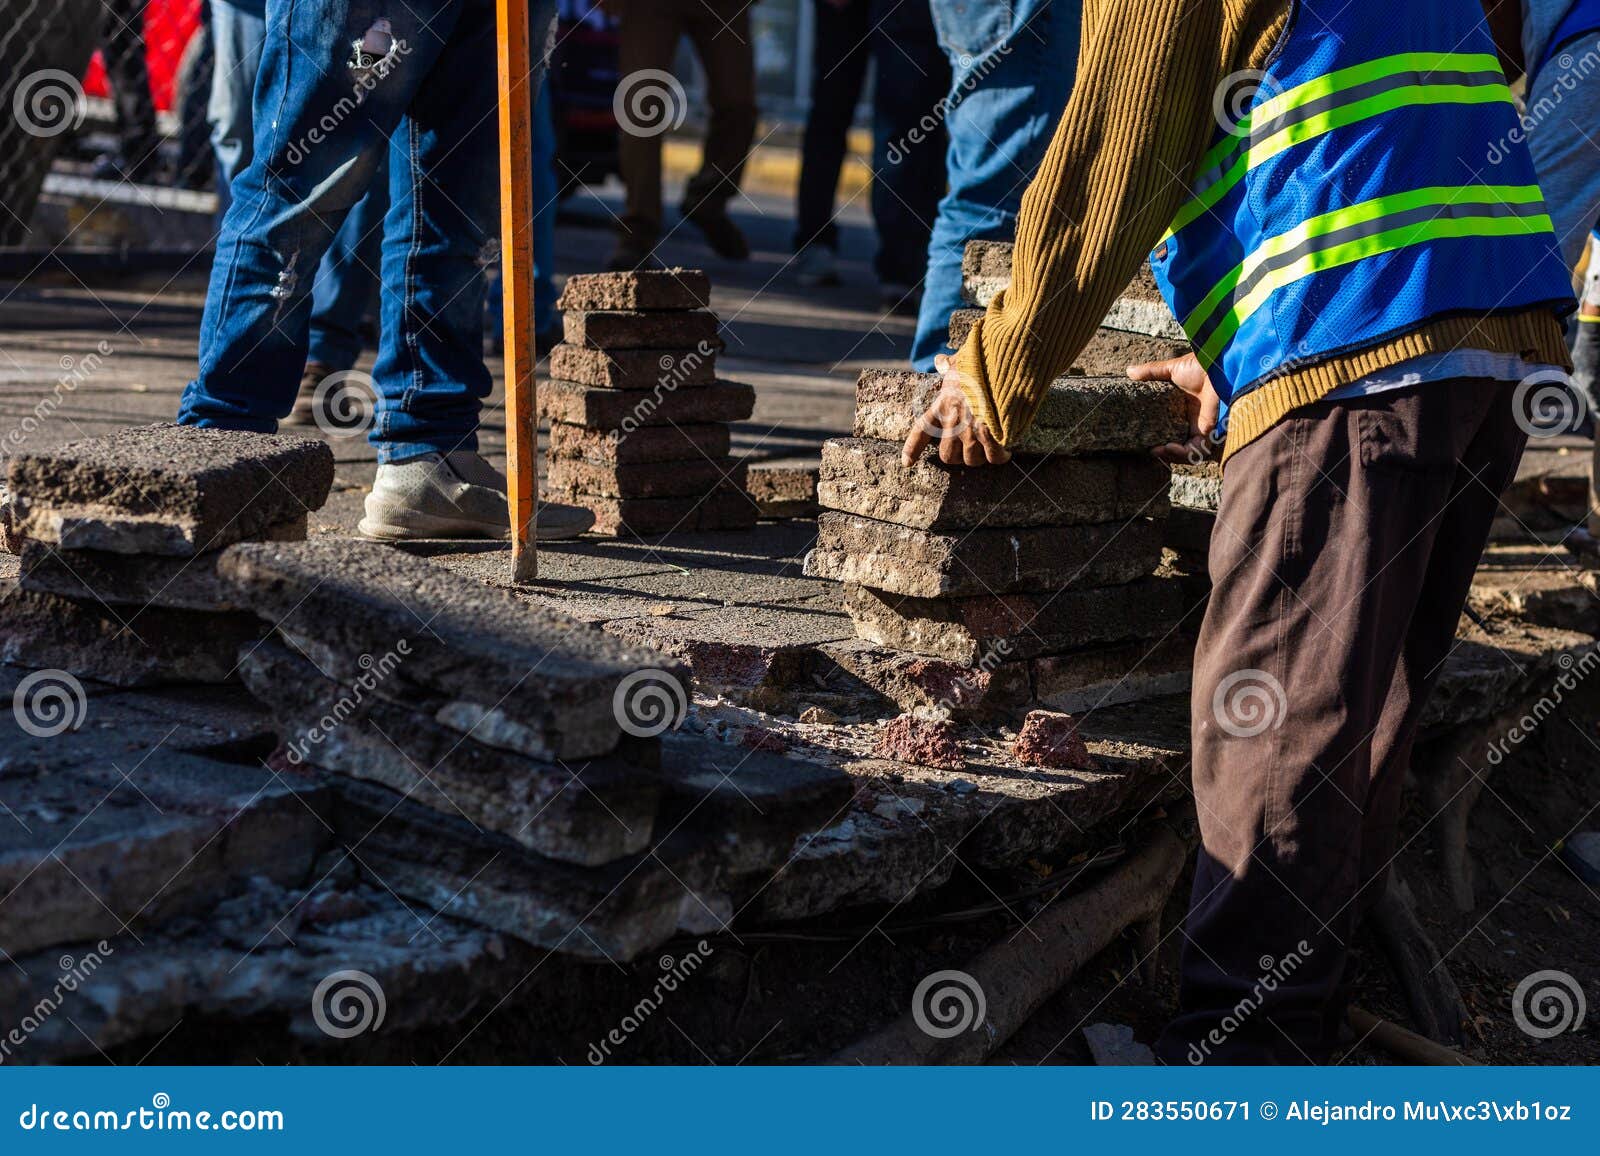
316 150
546 200
1486 468
648 34
1006 99
346 285
909 145
238 30
128 71
720 30
1323 547
443 219
838 71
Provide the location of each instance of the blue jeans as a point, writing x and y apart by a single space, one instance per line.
327 116
346 283
1014 65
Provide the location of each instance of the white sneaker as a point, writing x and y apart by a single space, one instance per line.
456 495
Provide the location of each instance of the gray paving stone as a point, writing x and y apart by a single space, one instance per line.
96 576
986 272
629 409
127 646
674 288
633 368
913 681
515 675
1197 487
864 476
90 845
1108 354
1079 415
665 443
725 508
619 329
166 489
584 812
784 489
678 479
924 564
986 629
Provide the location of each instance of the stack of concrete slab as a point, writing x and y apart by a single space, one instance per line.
121 538
1138 328
1039 563
503 761
638 419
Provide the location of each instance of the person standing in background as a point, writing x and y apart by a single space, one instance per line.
908 155
649 31
122 46
1013 70
345 289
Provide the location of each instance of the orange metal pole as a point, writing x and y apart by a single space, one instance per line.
516 266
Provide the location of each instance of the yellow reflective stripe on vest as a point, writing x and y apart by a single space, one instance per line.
1333 101
1369 229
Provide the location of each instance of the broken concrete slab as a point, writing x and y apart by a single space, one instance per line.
585 812
133 646
665 443
629 409
166 489
91 845
983 630
1197 487
925 564
634 368
916 682
1103 676
1079 415
613 912
864 476
1554 595
985 270
10 539
1109 352
515 675
620 329
640 289
176 583
783 489
678 479
724 508
1486 672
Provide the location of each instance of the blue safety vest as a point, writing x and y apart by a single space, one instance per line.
1353 200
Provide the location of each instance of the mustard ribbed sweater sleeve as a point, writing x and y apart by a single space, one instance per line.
1142 112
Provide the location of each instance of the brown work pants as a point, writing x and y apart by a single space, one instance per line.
1343 551
720 31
